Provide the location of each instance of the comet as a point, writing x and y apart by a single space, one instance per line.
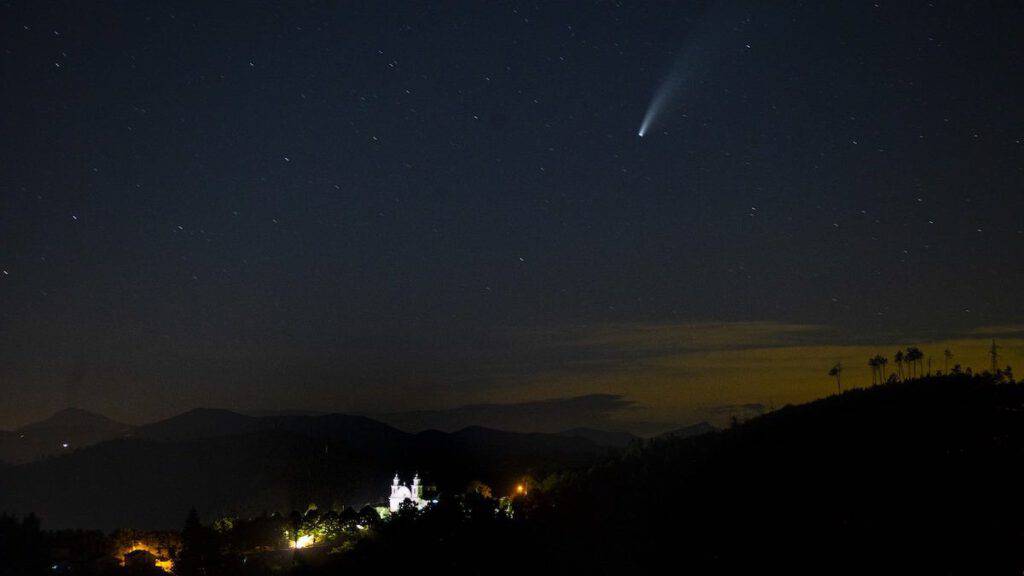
705 43
662 96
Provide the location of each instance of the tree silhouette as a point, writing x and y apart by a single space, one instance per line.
22 549
836 371
898 357
946 357
368 516
877 364
199 548
916 357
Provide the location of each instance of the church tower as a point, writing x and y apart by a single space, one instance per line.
402 492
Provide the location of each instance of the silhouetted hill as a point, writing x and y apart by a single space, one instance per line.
196 424
69 429
915 477
353 430
75 418
277 413
920 477
226 463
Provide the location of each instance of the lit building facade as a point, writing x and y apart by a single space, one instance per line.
402 492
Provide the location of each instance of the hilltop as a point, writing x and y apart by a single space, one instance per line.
915 475
65 430
920 476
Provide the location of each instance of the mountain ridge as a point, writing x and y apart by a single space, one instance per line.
231 463
66 429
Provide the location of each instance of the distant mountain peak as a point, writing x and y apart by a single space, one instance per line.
68 429
74 417
75 411
198 423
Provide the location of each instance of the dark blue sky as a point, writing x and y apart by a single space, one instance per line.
371 207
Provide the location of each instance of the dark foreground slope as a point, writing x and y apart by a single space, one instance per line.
922 476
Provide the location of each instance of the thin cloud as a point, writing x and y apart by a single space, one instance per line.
550 415
684 373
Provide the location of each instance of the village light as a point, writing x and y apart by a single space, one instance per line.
160 557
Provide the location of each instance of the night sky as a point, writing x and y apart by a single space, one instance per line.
375 207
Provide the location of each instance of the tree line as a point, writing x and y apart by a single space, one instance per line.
911 363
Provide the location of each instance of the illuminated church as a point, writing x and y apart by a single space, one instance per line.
402 492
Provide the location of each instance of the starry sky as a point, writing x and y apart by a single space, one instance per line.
377 207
